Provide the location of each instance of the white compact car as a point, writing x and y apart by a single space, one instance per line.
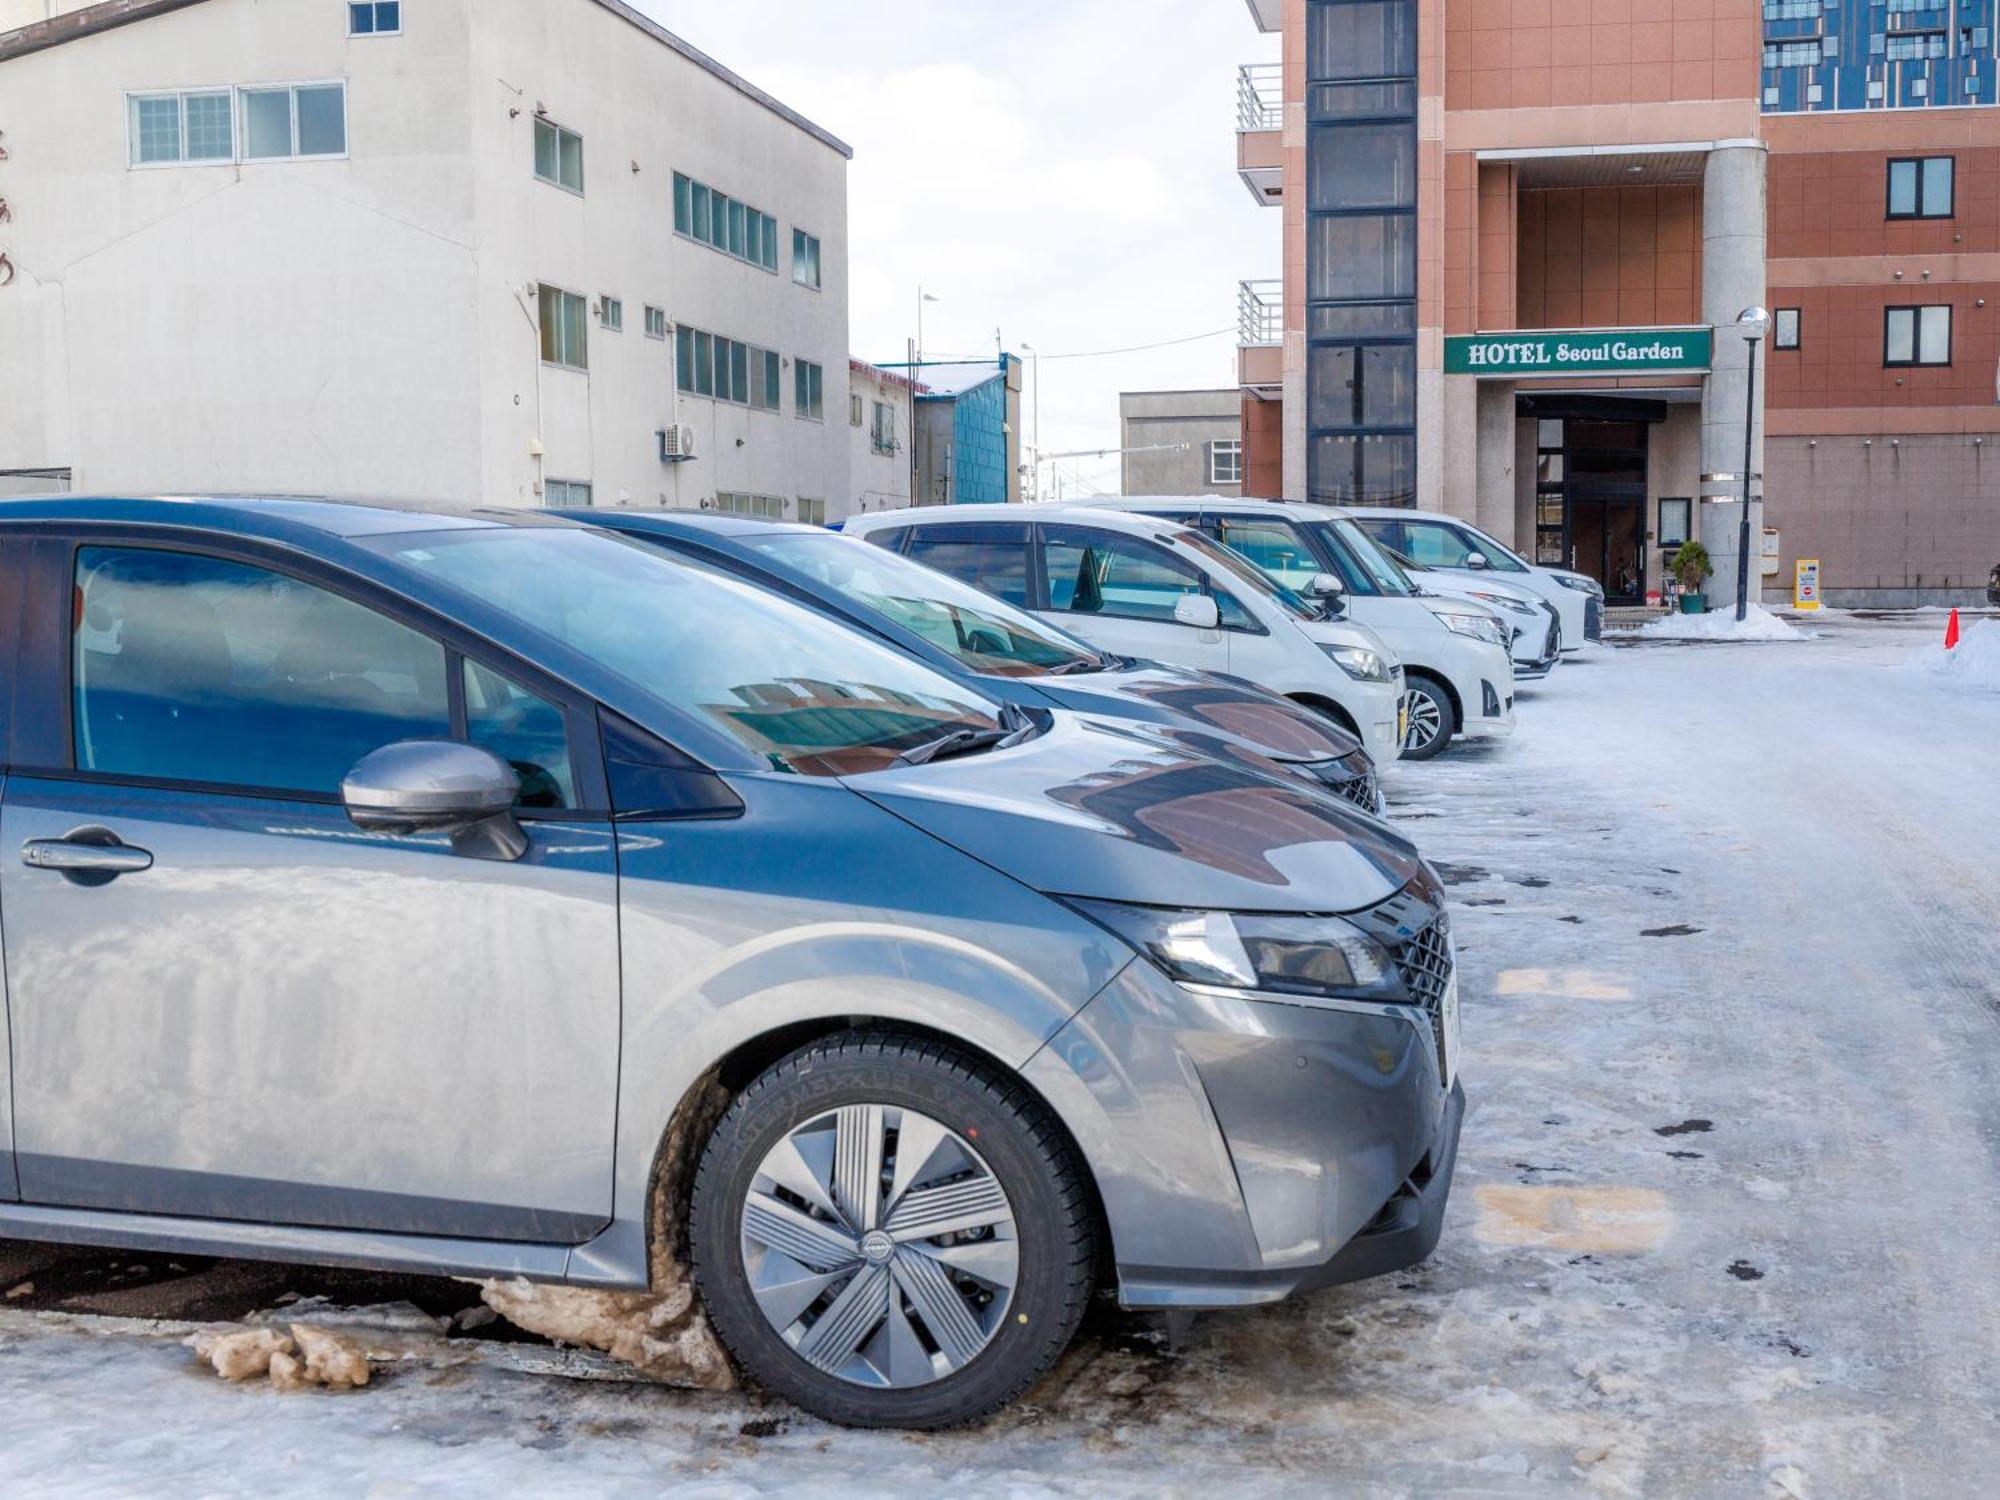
1534 623
1455 546
1150 589
1456 653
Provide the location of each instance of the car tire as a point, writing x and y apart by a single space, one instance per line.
1433 720
799 1138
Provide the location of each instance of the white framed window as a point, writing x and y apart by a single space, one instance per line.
197 125
854 408
656 322
805 259
707 364
765 507
558 493
292 122
882 431
724 223
808 394
611 314
565 339
811 512
1916 336
380 18
558 156
1225 461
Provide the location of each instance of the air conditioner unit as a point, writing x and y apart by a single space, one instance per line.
676 443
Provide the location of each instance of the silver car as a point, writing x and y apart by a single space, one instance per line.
484 895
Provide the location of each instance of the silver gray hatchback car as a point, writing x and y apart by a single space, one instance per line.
488 895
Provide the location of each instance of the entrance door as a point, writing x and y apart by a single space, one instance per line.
227 1001
1592 501
1608 542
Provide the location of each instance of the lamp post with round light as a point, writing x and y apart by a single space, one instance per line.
1751 323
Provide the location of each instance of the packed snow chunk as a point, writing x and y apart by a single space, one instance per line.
1722 625
332 1359
664 1335
240 1354
1973 663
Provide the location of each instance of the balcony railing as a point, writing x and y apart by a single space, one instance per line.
1260 96
1260 312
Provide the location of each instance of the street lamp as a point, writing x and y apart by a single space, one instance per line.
1751 323
1035 429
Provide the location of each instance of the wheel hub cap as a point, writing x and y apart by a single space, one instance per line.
879 1245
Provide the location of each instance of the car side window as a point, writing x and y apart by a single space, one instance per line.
1276 548
1436 545
189 668
527 732
889 538
1093 572
991 557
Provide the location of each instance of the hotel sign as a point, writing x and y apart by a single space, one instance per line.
1546 353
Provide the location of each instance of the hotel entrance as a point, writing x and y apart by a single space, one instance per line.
1591 493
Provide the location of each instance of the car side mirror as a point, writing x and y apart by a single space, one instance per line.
1328 588
1198 610
1477 560
438 786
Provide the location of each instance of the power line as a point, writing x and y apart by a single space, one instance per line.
1193 338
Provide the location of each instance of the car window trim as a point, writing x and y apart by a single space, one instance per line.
587 768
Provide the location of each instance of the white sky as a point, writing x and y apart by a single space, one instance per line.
1060 170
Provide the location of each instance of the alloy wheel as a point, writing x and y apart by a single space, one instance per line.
1426 722
878 1243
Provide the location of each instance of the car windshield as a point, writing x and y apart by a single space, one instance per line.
1247 573
1366 568
806 695
1502 559
989 635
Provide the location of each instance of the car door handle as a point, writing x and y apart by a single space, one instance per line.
85 856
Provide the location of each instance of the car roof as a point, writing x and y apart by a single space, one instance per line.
1119 520
290 518
1228 504
686 522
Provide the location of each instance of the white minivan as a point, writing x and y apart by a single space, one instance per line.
1150 589
1460 547
1457 654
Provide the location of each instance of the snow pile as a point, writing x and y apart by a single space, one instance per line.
310 1356
1722 625
1974 663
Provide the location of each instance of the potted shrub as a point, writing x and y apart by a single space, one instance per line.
1693 568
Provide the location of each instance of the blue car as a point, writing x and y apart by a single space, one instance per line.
1005 652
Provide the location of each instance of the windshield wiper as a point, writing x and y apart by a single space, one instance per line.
1082 664
1015 726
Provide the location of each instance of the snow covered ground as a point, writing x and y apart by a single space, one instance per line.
1724 1220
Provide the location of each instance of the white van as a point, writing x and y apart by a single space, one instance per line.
1455 546
1457 655
1138 587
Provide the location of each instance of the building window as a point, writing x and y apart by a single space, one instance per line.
807 379
558 156
1785 329
384 18
559 493
611 313
805 259
1913 46
882 431
303 120
1225 461
565 340
1805 54
656 322
765 507
1916 336
707 364
854 408
812 512
195 126
1792 10
1920 187
724 223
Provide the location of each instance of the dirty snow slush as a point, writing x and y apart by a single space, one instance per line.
1722 1224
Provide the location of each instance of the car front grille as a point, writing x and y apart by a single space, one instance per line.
1356 781
1593 619
1425 962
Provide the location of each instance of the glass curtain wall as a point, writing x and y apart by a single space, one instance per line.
1361 251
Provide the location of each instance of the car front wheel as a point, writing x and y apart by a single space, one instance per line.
1433 721
891 1233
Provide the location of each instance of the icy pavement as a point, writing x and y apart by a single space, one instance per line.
1725 1214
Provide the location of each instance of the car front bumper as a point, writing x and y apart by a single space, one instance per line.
1247 1147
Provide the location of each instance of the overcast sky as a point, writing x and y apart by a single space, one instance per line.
1062 171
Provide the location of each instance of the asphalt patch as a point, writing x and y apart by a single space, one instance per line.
1686 1127
1742 1270
1679 929
1461 874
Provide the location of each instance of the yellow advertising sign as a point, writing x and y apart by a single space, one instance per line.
1805 585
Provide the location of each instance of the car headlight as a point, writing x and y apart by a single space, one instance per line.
1479 627
1360 663
1507 602
1582 585
1323 956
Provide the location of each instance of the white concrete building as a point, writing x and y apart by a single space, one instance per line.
879 409
513 251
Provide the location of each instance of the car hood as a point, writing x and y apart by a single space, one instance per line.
1087 809
1198 710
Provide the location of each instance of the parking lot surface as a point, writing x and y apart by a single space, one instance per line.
1724 1222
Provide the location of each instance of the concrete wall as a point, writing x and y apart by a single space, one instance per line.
877 480
1158 419
366 326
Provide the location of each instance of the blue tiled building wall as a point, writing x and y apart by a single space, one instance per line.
979 441
1855 39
